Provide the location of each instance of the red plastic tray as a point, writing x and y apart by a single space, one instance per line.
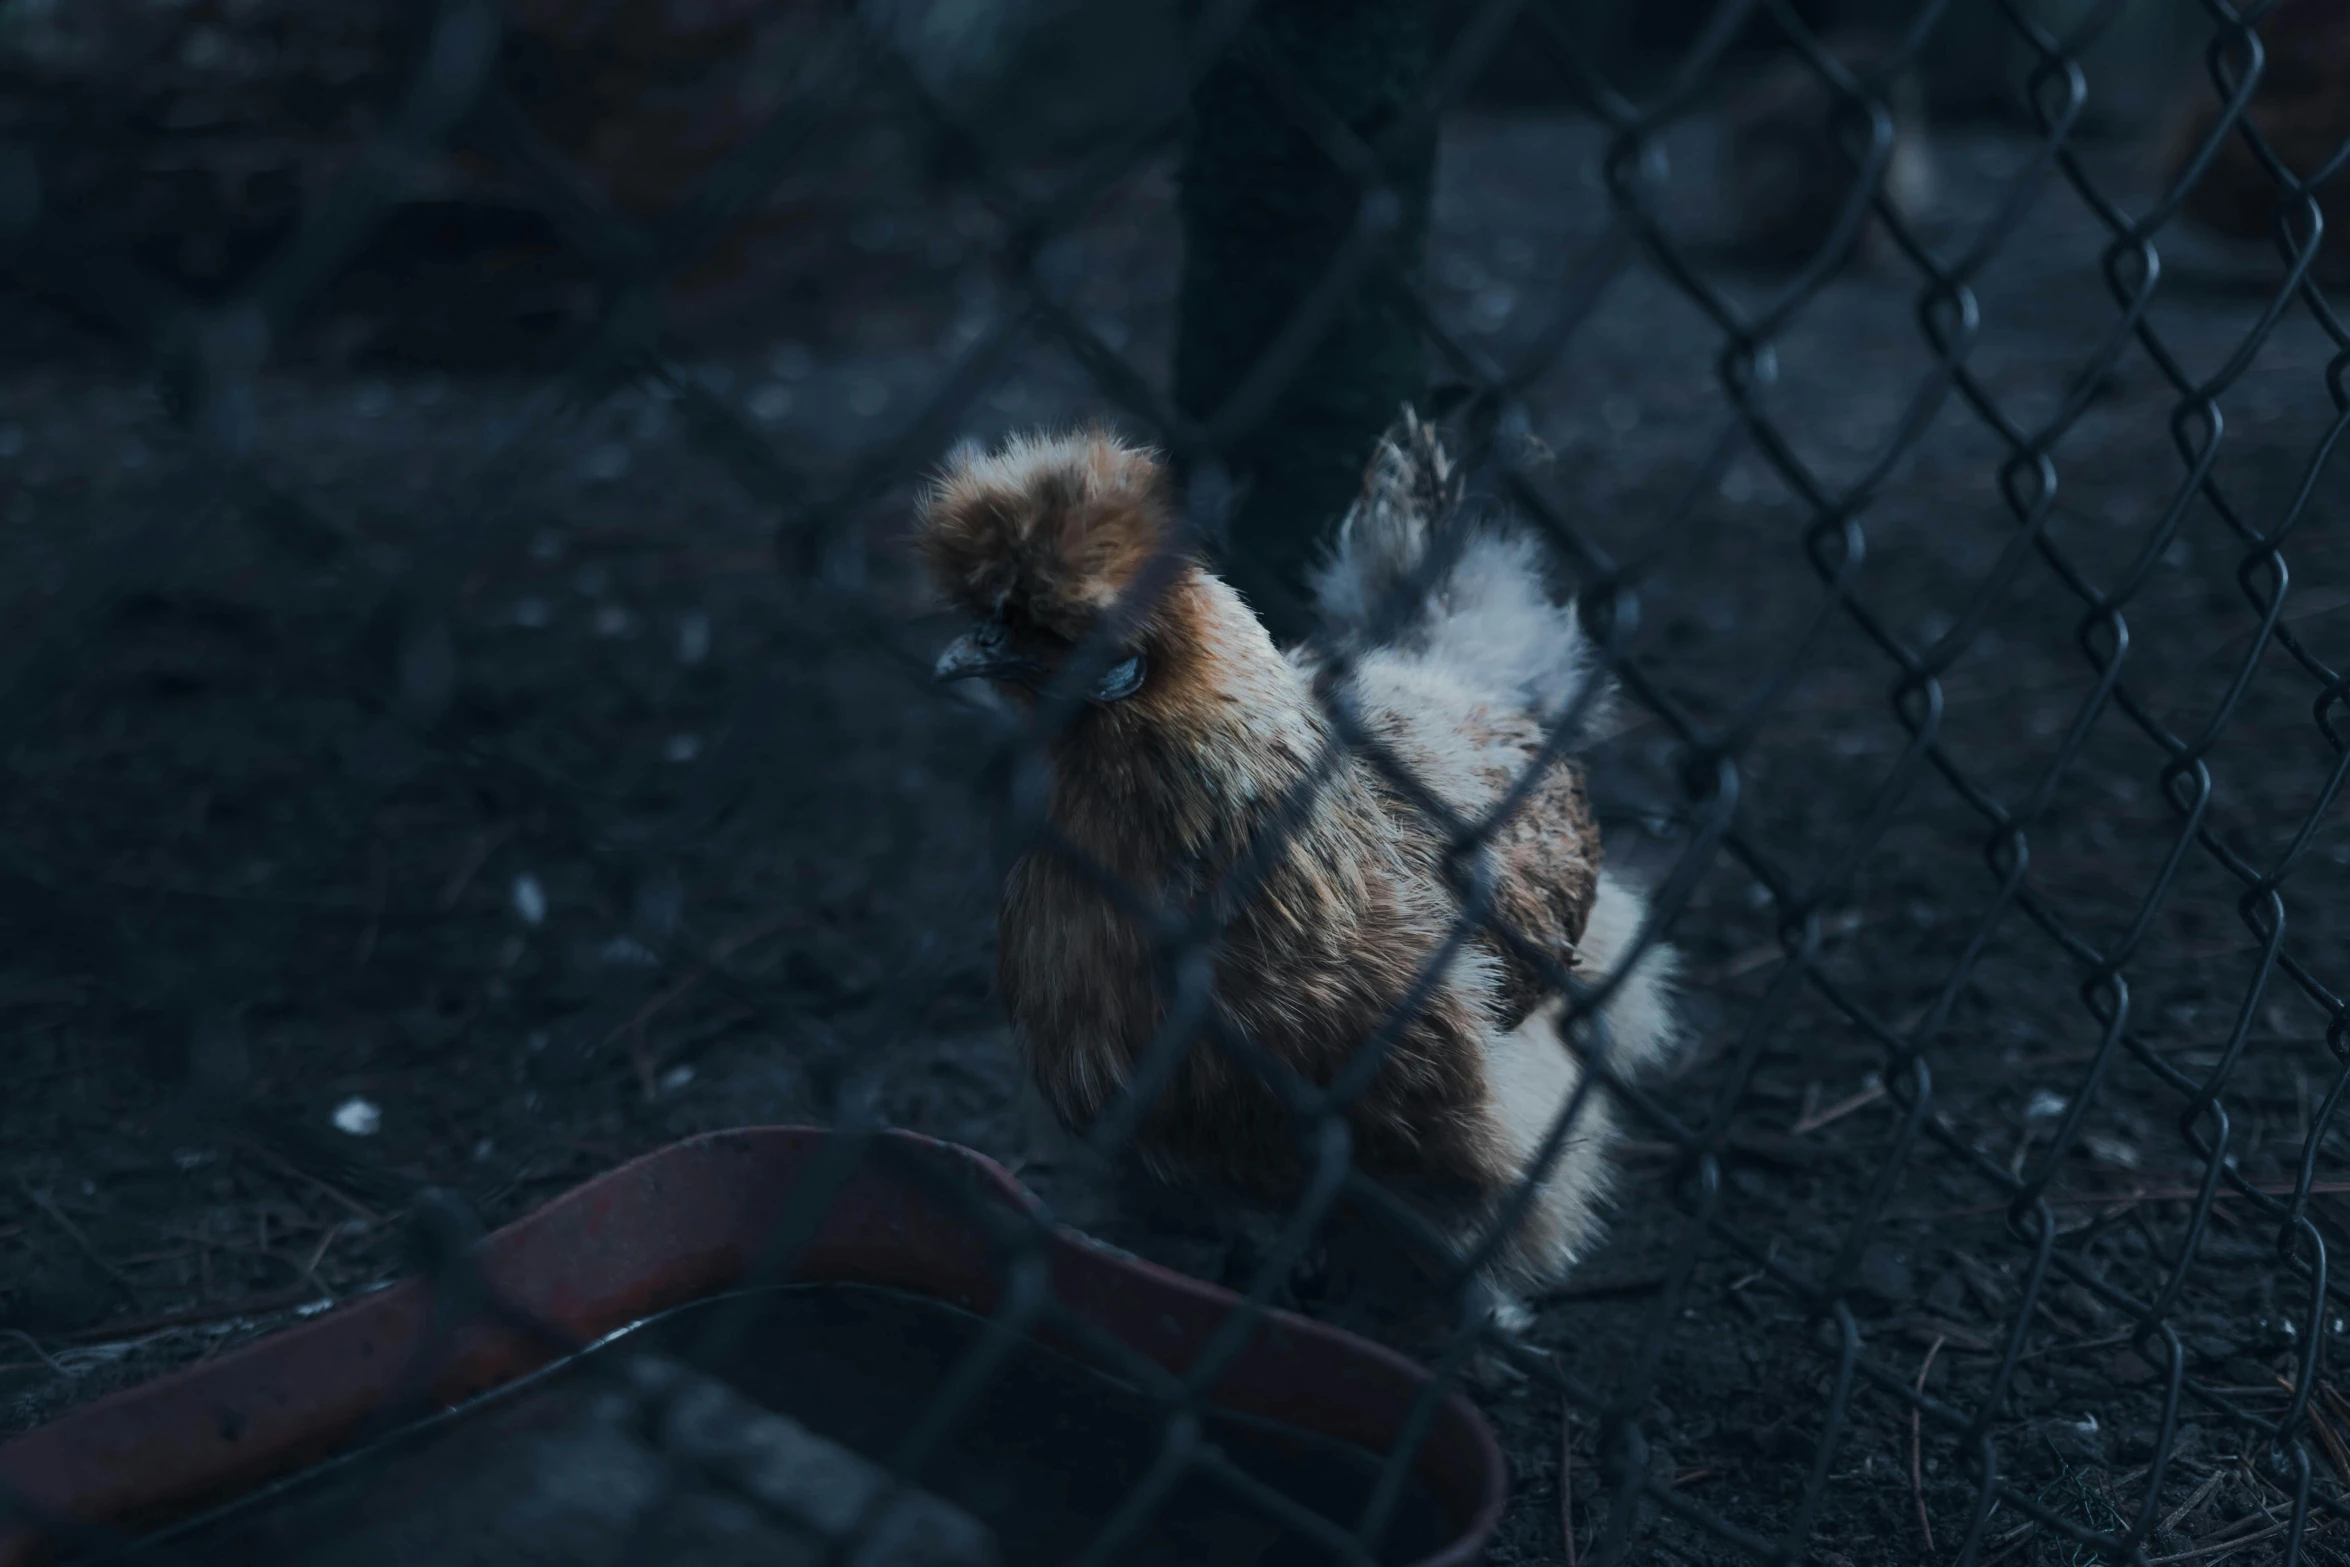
672 1227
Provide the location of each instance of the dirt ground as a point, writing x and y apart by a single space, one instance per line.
389 945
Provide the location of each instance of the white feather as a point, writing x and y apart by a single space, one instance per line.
1487 625
1460 684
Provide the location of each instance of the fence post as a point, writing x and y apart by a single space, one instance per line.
1265 211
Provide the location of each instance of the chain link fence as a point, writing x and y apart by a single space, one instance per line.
1977 757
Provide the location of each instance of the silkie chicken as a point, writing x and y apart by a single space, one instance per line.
1199 732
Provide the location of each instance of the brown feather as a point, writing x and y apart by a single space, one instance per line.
1056 526
1170 790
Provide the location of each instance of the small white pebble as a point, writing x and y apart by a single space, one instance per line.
1460 273
771 404
1494 304
676 1078
532 612
613 620
359 1117
606 463
530 899
2111 1151
315 1307
693 637
2045 1105
682 748
628 952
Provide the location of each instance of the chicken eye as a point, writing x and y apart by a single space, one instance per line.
1120 680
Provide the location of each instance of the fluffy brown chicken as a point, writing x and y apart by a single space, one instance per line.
1199 731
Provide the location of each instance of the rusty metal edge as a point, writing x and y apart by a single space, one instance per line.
664 1229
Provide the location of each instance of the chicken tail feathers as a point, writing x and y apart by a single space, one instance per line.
1410 489
1487 618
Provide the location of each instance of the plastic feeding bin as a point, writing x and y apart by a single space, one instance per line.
421 1418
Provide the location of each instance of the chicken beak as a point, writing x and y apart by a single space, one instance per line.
976 655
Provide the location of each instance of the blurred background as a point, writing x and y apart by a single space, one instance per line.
195 137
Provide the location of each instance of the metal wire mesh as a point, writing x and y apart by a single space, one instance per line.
2137 1281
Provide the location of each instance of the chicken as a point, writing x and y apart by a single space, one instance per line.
1196 734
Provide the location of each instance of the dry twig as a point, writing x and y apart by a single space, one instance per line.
2334 1400
218 1311
1917 1470
34 1344
2218 1546
2327 1437
1755 957
1828 1116
283 1166
318 1255
1567 1479
2186 1509
477 854
2011 1542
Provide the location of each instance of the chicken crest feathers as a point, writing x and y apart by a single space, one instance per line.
1486 618
1050 526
